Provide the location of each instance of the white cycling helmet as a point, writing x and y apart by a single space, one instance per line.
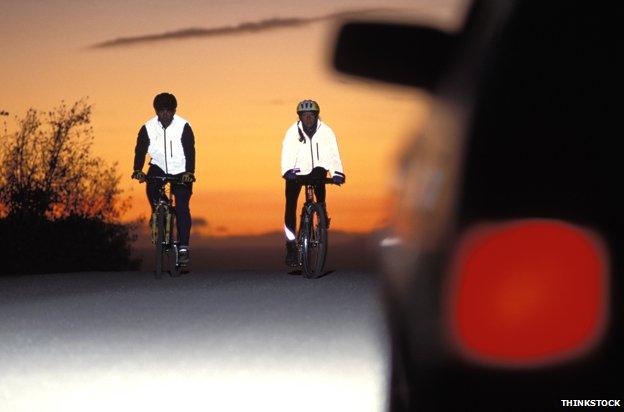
308 106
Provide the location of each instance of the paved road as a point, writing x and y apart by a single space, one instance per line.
239 341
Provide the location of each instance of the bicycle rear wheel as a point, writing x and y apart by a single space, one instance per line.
314 242
160 240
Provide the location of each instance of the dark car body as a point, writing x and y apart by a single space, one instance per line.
522 130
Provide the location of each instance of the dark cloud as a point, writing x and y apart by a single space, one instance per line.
199 222
242 28
221 229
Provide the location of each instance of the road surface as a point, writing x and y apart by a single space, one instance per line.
218 341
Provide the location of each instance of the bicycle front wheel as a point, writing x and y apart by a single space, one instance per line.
174 269
160 240
314 242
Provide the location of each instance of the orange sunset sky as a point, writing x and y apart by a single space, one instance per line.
238 90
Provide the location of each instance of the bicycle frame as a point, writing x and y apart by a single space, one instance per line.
164 226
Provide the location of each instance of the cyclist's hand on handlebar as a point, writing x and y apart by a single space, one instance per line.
138 175
188 177
338 179
290 175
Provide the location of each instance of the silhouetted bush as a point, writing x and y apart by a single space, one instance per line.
70 244
59 204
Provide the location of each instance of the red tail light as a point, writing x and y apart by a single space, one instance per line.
527 292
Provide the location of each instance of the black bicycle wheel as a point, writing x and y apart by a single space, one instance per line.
160 240
314 242
172 251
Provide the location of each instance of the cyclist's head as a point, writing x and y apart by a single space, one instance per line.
165 105
308 111
165 101
308 106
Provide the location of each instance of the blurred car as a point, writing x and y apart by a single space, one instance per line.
502 266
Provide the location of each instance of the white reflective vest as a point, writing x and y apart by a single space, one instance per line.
302 153
165 146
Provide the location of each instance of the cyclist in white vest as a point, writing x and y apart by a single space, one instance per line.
170 142
309 149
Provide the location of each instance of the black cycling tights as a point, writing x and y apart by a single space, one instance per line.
292 194
182 195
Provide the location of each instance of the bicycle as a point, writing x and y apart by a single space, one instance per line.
312 237
164 228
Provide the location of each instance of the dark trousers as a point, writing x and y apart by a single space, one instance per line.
292 194
182 193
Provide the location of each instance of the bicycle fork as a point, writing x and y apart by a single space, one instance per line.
166 211
304 224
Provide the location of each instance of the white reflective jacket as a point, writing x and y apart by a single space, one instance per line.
319 151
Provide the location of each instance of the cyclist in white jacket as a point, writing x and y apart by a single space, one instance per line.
309 149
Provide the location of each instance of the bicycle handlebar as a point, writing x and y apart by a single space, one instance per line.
164 179
311 181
